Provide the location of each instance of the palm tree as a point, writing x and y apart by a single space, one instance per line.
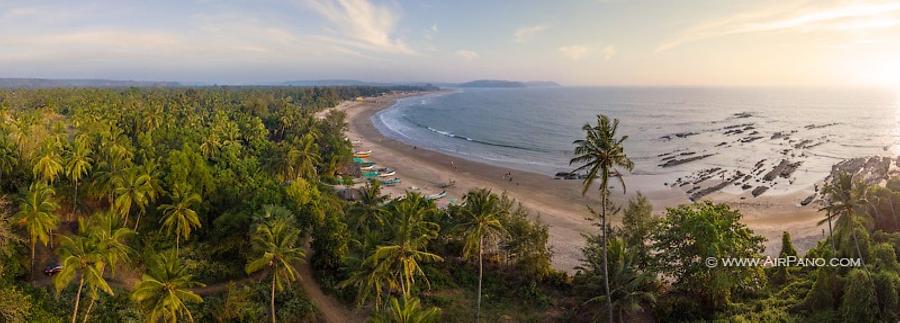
78 164
165 289
48 166
79 255
178 218
7 236
110 237
846 199
407 310
410 233
368 210
630 288
601 153
481 221
278 242
36 215
7 159
130 188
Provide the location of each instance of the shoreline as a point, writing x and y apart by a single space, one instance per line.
558 203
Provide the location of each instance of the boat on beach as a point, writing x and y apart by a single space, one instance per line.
391 182
437 196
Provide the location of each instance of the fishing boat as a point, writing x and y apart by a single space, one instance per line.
370 167
391 182
437 196
364 152
391 173
370 174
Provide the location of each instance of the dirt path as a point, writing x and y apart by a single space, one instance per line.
331 309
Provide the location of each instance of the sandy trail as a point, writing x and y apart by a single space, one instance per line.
558 203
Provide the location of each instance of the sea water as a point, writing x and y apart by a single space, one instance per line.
532 129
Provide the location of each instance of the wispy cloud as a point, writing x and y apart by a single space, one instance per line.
574 52
845 16
608 52
523 34
361 24
467 55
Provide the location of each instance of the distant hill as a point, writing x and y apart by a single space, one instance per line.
541 84
311 83
54 83
504 83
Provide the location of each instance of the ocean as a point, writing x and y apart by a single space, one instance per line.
675 135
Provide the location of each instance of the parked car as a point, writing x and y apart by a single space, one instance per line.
52 269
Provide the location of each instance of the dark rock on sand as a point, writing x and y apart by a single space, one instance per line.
759 190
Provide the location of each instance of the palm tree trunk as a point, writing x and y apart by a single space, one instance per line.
831 235
272 302
77 298
75 202
177 237
88 312
856 242
32 258
604 192
480 271
138 221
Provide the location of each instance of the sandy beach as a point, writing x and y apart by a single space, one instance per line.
557 203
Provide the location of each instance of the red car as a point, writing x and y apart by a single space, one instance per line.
51 270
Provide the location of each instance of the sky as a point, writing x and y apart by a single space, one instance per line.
575 42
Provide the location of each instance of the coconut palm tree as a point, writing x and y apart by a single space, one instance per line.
130 188
165 290
80 257
601 153
78 165
278 242
48 165
630 287
8 158
36 215
110 238
407 310
845 199
482 212
368 211
178 218
410 234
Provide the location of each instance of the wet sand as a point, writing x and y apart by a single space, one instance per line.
557 203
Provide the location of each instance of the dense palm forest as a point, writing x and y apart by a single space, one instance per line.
208 204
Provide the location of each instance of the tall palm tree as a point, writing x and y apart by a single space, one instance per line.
601 153
78 165
178 218
368 211
36 215
80 257
410 234
165 289
48 165
110 239
278 241
130 188
845 201
482 212
8 158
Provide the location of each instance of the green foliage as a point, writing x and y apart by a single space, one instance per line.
407 310
689 234
164 290
859 303
15 305
887 287
637 224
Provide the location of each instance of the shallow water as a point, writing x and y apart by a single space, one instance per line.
533 128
